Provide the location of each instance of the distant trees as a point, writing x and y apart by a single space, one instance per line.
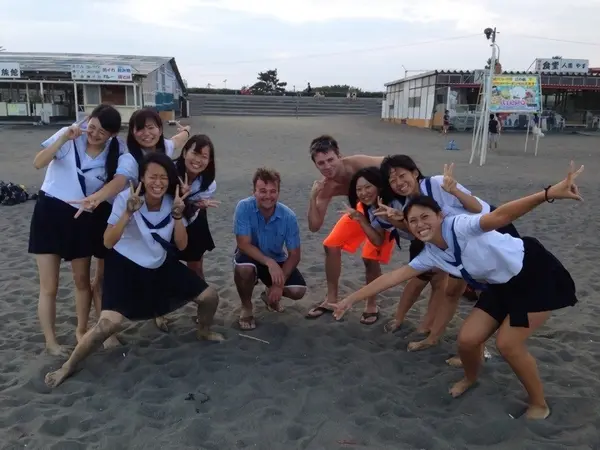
268 83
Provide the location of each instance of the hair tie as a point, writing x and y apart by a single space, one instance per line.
549 200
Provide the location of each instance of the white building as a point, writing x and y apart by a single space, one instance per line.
58 87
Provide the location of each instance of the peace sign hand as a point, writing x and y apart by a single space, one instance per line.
352 213
135 201
178 204
205 203
72 133
185 187
567 189
449 183
387 212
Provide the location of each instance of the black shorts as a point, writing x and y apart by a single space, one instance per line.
199 239
262 272
54 229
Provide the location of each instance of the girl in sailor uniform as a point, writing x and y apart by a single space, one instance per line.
143 278
79 164
521 281
406 181
145 135
196 168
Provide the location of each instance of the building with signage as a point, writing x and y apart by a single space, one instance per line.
58 88
570 89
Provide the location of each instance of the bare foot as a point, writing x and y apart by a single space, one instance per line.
57 350
206 335
111 342
392 326
272 307
461 387
455 362
422 345
246 320
535 412
53 379
162 323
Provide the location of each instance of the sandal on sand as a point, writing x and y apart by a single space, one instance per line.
317 309
247 323
366 315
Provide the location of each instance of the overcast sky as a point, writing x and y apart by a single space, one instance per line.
363 43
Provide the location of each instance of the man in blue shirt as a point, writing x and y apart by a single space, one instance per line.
262 227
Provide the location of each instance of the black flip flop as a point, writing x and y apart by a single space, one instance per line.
367 315
319 308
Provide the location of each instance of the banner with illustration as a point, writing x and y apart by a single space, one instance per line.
516 94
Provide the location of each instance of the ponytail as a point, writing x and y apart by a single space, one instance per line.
112 159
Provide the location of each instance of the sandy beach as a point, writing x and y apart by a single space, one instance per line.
316 384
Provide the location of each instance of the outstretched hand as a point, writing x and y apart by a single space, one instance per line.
205 203
567 189
339 308
135 200
449 183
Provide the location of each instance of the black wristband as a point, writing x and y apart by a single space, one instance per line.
177 217
189 134
549 200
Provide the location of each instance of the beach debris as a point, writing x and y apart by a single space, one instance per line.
192 397
486 354
347 442
253 338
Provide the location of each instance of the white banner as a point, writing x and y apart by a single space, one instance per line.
10 70
101 72
562 65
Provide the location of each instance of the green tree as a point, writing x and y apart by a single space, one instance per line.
268 83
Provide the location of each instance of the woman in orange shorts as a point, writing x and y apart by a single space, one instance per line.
359 226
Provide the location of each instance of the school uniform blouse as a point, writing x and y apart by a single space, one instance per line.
148 234
196 194
129 167
380 223
450 204
73 174
490 257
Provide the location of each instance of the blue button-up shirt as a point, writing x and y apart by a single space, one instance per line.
269 237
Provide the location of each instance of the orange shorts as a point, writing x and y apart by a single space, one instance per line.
348 235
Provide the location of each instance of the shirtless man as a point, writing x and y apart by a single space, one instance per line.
346 234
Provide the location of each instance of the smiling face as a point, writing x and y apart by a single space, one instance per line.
96 135
266 194
148 136
424 223
156 181
196 160
366 192
404 182
328 163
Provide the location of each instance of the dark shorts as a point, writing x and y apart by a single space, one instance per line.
543 284
200 239
139 293
54 229
262 272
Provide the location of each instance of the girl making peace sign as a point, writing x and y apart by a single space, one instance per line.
521 281
143 278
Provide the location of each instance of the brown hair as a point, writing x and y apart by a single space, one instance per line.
323 144
266 175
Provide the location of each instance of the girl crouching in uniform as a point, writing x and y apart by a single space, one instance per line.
521 281
196 169
143 278
79 164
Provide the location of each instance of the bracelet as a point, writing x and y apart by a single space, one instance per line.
187 131
177 217
549 200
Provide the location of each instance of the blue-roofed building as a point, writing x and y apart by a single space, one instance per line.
60 87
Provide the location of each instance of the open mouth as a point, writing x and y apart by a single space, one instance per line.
423 234
196 167
157 190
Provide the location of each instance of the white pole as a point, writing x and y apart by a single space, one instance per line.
527 134
488 101
76 102
537 141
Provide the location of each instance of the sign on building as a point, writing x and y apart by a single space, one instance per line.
562 65
10 70
516 94
101 72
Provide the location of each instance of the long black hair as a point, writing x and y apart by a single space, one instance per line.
373 176
167 163
198 142
137 122
393 162
109 119
422 200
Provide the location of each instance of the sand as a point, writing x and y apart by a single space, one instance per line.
317 384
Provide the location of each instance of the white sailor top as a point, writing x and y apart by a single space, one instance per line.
129 167
473 254
73 174
146 239
196 195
